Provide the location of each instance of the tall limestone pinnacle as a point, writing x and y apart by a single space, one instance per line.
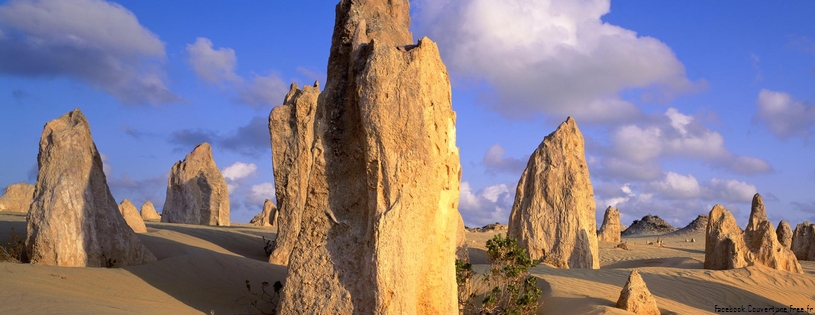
553 215
378 223
74 220
196 191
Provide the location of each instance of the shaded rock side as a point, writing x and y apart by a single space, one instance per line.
649 225
267 216
462 249
697 225
196 191
803 241
724 241
132 216
553 214
149 213
610 230
291 127
379 226
17 198
74 220
784 234
636 298
728 247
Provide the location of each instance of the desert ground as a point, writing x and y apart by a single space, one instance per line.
203 270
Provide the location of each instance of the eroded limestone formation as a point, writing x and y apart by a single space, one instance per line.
610 230
267 216
636 298
784 233
803 241
74 220
196 191
553 214
17 198
379 218
149 213
132 217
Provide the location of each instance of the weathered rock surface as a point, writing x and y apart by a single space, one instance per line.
291 127
379 224
636 298
148 212
196 191
784 233
132 217
74 220
697 225
803 241
553 214
17 197
267 216
649 225
728 247
462 249
610 230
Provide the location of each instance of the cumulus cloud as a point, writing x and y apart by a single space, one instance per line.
488 205
260 192
784 116
139 190
553 57
98 42
496 161
214 66
672 134
677 186
239 170
217 66
186 139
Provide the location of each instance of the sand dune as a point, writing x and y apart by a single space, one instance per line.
203 269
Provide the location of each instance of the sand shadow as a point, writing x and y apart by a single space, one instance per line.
668 262
237 240
478 256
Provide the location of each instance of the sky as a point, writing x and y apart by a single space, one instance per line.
683 105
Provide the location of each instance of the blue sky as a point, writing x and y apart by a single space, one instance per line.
683 105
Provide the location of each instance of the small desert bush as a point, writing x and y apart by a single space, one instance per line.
510 289
268 246
14 249
267 303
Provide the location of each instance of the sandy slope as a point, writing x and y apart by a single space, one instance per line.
203 269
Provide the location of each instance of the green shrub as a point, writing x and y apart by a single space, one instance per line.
15 249
511 290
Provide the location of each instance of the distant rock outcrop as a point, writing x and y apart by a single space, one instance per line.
803 241
74 220
149 213
267 216
132 217
649 225
492 227
291 127
553 214
196 191
784 233
17 197
697 225
728 247
379 219
636 298
610 230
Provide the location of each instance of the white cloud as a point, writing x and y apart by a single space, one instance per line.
676 186
730 190
239 170
218 66
488 205
214 66
555 57
99 42
783 116
260 192
495 160
106 165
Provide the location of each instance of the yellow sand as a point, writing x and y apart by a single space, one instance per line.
203 270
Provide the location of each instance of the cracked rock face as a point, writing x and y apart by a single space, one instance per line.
553 214
378 221
74 220
196 191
